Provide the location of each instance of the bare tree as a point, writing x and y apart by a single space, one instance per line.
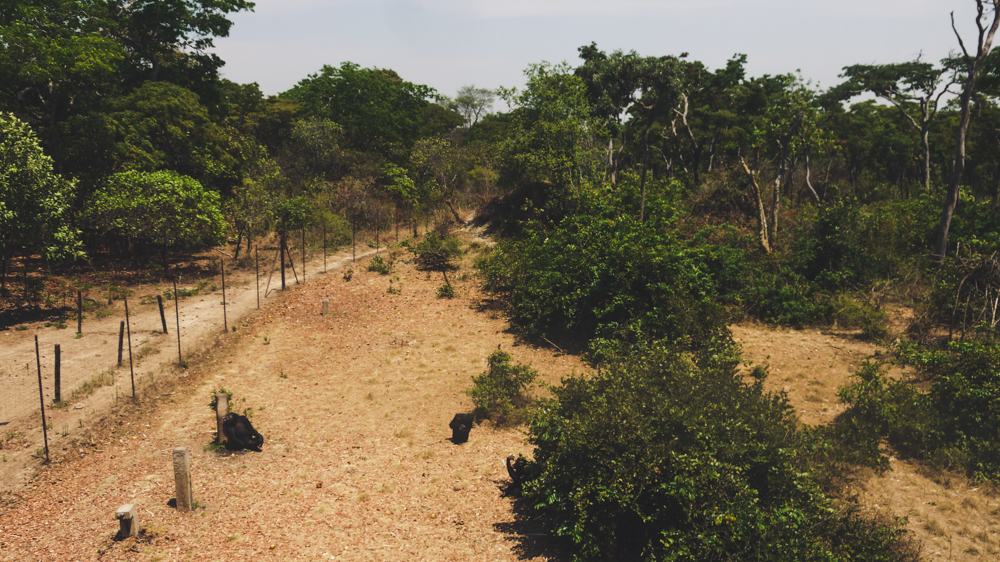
983 43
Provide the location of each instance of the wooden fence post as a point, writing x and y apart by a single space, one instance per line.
177 314
221 409
79 312
225 323
128 521
182 478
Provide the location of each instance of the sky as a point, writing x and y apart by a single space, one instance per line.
447 44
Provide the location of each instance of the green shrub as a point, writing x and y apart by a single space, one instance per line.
661 456
498 394
602 270
445 292
955 425
437 252
378 265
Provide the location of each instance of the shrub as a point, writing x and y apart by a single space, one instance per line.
378 265
602 270
499 393
663 457
437 252
955 425
445 292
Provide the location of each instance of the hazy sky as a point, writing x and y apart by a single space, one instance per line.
447 44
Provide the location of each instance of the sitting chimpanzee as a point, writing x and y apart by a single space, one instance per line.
240 434
460 426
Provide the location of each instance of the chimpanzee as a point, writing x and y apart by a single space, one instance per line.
240 434
515 467
460 426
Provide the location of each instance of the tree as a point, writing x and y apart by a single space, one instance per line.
376 108
151 31
648 88
914 88
553 137
34 200
158 126
404 191
472 103
162 208
984 41
55 58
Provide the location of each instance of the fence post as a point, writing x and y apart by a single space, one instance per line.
221 409
177 313
225 323
128 521
41 398
163 317
182 478
121 341
58 375
128 330
256 271
79 312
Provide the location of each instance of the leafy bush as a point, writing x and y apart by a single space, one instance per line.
445 292
599 271
663 457
499 393
437 252
956 425
380 266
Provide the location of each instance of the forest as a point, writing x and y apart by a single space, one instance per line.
641 204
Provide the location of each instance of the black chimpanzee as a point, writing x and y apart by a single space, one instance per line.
460 426
240 434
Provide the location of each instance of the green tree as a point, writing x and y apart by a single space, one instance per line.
972 63
472 103
34 200
158 126
376 108
647 88
161 208
665 456
914 88
553 138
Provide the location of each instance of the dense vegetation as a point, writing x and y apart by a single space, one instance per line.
639 203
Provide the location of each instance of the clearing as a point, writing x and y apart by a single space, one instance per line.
357 462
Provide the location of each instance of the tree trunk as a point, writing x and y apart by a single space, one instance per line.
808 182
458 218
762 233
985 41
645 166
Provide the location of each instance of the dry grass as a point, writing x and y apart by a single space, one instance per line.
357 461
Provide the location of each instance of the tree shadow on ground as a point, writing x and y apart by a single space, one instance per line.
530 533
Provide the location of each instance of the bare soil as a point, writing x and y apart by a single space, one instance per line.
357 462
